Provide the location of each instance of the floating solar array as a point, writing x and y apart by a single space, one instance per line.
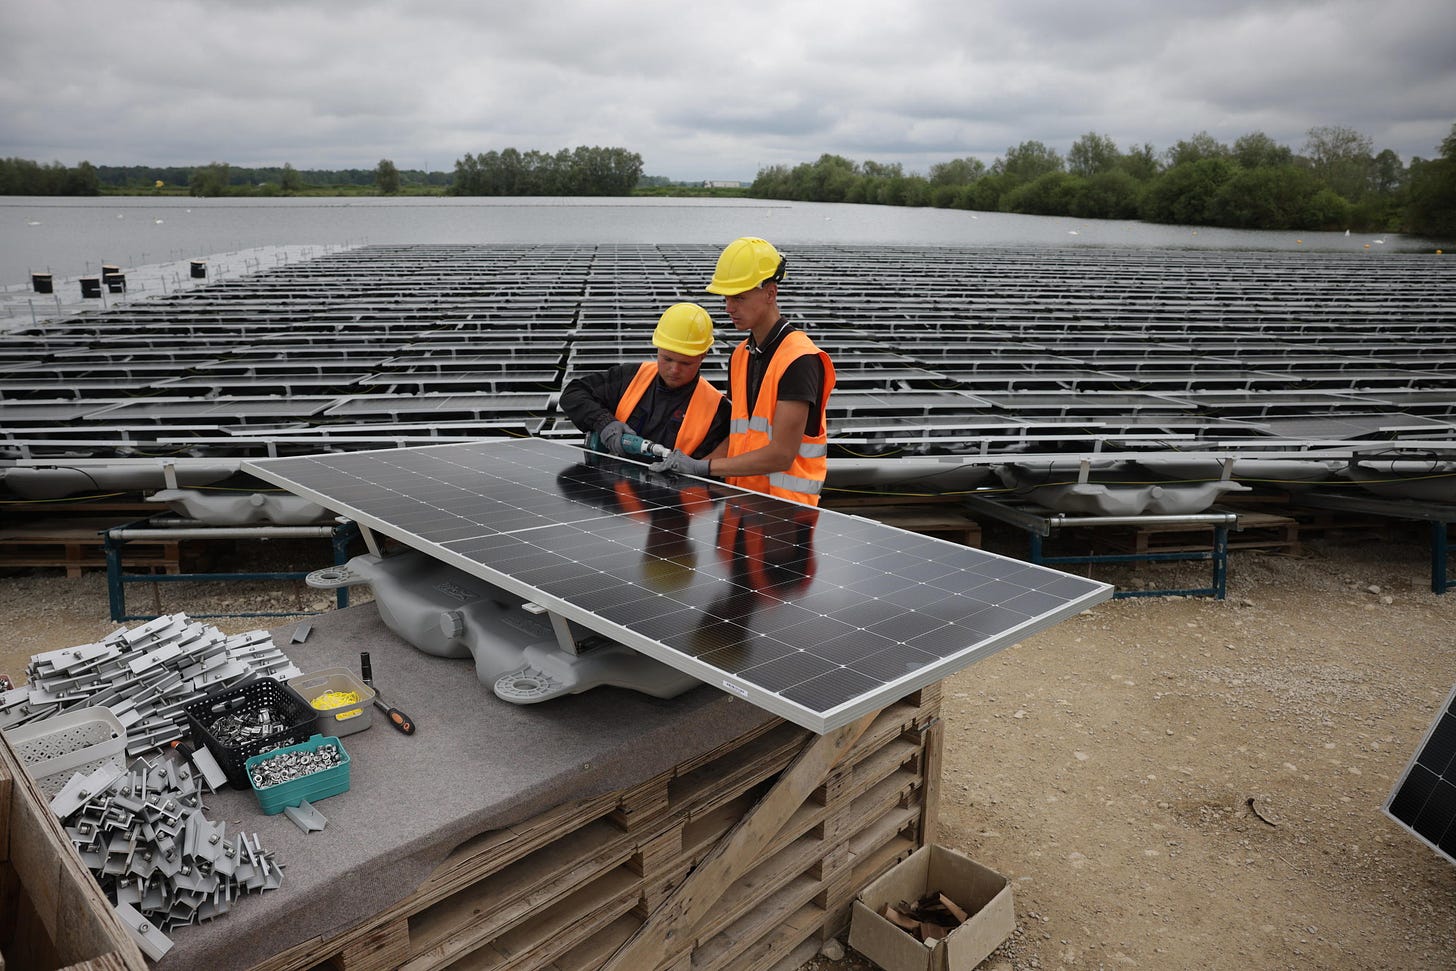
814 615
1424 800
974 352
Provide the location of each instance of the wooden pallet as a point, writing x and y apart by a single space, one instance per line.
1259 531
747 857
54 913
77 544
1312 521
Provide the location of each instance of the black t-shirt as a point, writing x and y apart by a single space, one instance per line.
803 380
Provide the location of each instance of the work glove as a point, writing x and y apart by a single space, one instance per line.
680 461
611 435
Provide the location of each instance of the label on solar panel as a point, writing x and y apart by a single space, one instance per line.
1424 800
817 616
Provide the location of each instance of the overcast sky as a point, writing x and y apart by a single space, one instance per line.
706 91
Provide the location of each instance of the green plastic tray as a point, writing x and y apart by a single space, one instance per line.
310 788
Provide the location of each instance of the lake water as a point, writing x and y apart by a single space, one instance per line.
70 237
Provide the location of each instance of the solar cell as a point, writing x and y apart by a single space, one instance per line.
1424 800
817 616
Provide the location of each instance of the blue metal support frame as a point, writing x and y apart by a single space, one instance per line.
340 536
1439 514
1038 523
1218 554
1440 556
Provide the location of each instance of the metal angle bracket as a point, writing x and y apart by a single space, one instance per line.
83 787
226 864
68 658
212 773
128 891
223 672
153 942
306 817
565 636
155 657
154 631
370 542
203 838
236 642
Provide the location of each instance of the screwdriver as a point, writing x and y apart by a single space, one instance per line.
396 717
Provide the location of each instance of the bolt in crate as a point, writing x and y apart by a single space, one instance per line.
257 703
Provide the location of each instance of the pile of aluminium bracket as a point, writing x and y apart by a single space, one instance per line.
145 675
142 831
144 835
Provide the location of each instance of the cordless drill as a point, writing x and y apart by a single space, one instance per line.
633 446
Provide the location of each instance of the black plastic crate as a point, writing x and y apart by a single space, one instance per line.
247 702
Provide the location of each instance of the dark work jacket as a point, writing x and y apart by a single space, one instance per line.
591 400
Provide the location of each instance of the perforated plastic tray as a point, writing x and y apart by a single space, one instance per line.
80 740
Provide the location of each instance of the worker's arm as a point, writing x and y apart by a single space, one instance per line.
789 421
589 401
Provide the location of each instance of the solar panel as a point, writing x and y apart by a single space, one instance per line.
1424 800
817 616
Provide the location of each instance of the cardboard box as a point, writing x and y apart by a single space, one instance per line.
982 893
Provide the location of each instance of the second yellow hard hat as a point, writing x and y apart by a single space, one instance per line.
745 263
684 328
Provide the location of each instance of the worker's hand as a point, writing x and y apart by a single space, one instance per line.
611 436
680 461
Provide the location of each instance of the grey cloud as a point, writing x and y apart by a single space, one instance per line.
709 91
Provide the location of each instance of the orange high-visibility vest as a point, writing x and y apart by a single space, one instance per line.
803 480
702 407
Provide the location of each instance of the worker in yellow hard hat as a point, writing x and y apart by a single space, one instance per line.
779 384
663 401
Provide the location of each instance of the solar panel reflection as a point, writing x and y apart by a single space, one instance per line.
815 615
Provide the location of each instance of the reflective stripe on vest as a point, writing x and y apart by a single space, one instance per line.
697 419
803 480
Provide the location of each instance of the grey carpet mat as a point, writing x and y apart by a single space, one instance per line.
474 764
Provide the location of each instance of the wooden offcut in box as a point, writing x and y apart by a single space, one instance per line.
982 893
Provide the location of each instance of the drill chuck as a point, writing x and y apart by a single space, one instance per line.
636 446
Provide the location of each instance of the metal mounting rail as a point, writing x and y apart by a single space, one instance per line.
339 534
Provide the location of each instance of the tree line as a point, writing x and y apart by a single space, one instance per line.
24 177
583 171
1337 181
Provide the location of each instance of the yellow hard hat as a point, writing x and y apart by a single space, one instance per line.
745 263
684 328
